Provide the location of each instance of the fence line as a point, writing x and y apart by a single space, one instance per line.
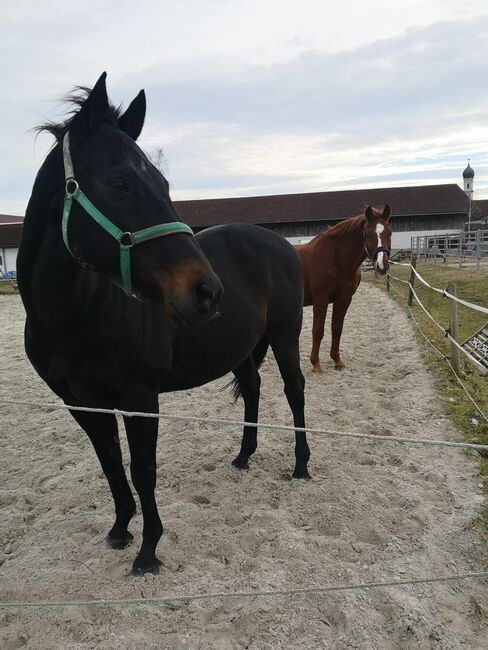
447 360
261 425
470 247
445 331
236 596
445 293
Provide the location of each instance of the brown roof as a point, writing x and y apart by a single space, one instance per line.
10 233
8 218
323 206
312 206
481 206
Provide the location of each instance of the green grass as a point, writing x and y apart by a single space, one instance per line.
473 287
6 287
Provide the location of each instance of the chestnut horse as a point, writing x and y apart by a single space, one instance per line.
331 270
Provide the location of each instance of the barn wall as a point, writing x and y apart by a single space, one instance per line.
8 259
429 222
403 227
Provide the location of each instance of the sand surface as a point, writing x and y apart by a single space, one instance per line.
373 512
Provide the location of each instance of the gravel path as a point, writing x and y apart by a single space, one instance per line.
373 512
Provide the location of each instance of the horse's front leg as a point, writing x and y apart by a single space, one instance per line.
142 435
319 314
338 315
101 428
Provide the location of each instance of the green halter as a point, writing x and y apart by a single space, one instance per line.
126 240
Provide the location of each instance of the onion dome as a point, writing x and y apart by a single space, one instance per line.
468 172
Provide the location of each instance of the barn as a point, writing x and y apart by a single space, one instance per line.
479 215
417 210
10 231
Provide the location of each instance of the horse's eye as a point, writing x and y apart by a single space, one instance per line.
119 185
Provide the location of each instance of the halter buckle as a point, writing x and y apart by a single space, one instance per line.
71 187
127 236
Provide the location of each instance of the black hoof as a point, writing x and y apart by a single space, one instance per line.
240 464
302 474
118 542
139 570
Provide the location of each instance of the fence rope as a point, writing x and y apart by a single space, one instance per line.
447 335
447 360
393 277
419 302
261 425
445 331
444 292
482 413
222 597
471 305
439 352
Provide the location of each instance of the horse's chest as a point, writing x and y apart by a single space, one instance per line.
85 362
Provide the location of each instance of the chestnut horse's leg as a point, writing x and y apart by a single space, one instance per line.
249 383
319 314
142 435
338 314
287 355
102 430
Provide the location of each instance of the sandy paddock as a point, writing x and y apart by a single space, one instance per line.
373 512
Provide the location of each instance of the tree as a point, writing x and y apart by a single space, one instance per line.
159 160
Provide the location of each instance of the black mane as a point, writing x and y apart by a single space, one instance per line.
76 99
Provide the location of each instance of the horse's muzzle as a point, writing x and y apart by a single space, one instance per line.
197 302
207 295
382 263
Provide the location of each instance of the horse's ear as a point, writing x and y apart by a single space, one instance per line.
95 108
368 213
132 121
386 212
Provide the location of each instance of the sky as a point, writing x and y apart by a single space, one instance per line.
258 97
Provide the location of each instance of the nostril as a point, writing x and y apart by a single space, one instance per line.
204 297
220 291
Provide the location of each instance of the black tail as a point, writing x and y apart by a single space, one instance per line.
258 355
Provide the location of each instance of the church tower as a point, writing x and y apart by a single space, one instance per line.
468 178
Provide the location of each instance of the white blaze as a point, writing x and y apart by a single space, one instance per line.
379 230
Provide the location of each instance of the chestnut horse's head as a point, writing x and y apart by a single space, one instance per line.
377 237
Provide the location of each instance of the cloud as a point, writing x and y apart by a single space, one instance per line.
400 110
244 103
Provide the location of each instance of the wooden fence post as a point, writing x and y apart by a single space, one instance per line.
453 326
478 249
412 279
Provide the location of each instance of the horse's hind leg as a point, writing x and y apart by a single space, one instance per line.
249 383
287 356
101 428
338 315
319 314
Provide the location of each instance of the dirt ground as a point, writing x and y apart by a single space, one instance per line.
373 512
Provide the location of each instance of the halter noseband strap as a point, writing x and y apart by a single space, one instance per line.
379 249
126 240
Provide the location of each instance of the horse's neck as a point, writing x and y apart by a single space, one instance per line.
349 248
47 274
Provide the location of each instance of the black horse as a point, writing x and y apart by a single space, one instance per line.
99 344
